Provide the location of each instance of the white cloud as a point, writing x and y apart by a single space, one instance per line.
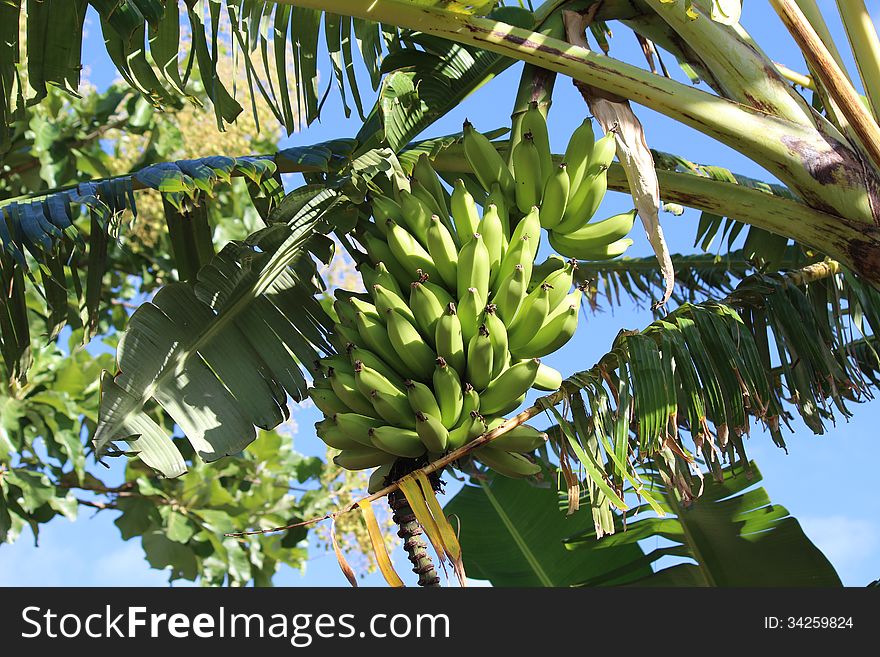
52 564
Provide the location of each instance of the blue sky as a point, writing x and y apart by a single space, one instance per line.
825 481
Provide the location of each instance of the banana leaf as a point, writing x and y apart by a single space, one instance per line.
732 535
512 533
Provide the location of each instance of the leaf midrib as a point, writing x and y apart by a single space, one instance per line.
517 537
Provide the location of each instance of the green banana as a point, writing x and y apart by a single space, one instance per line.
522 438
410 346
487 164
427 199
356 427
464 212
345 312
327 401
479 359
518 255
560 283
444 252
392 409
380 252
426 309
548 379
473 267
421 398
598 252
498 336
502 207
511 405
407 250
448 339
430 181
557 330
529 180
583 205
555 198
363 458
471 427
510 294
384 278
400 442
416 215
365 307
469 308
371 360
603 154
511 384
433 434
337 362
367 380
385 208
379 478
593 236
508 464
535 123
343 336
387 300
530 318
529 226
374 336
442 294
492 231
578 152
471 401
448 392
345 387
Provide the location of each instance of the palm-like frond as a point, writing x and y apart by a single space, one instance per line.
712 369
732 535
698 276
278 46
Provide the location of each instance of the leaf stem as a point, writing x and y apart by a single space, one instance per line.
832 76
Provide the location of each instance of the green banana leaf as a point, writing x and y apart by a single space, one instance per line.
222 356
731 535
512 532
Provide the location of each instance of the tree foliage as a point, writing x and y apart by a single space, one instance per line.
222 264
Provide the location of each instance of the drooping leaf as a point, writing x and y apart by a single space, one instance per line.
732 535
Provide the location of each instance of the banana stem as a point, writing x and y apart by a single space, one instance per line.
410 531
744 73
865 47
535 85
832 76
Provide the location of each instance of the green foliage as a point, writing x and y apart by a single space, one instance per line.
511 534
517 534
731 535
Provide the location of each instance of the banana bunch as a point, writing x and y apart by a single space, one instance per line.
568 195
448 337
